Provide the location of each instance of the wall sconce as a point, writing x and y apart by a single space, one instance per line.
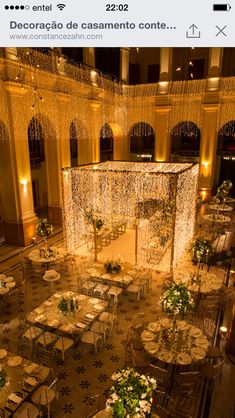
24 183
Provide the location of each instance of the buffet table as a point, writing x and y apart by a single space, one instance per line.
181 344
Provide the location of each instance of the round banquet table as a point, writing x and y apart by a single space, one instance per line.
183 346
221 208
216 218
57 255
203 282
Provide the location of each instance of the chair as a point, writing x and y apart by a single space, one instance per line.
46 339
44 395
212 371
75 287
101 328
109 318
44 355
209 328
102 290
138 323
161 375
137 288
95 406
26 408
63 344
115 292
138 359
91 338
186 382
32 333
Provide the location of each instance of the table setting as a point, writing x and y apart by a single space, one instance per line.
7 283
174 342
220 208
67 312
18 378
216 218
112 272
47 255
202 282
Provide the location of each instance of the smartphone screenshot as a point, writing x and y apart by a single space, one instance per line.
117 199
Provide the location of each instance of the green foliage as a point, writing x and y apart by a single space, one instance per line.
201 248
91 220
176 299
223 191
131 394
112 266
44 229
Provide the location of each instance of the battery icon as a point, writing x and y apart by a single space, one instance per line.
221 7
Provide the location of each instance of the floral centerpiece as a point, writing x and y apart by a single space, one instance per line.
92 220
201 248
131 395
223 192
44 229
176 300
68 305
112 266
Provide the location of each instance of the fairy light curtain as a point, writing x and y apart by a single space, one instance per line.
226 112
155 196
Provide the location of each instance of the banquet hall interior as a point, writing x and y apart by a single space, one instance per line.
117 245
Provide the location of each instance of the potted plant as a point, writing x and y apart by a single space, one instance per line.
131 395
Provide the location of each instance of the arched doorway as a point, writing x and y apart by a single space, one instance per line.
4 176
78 136
185 142
106 143
36 141
142 142
73 139
226 154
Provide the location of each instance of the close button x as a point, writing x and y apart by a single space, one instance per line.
221 30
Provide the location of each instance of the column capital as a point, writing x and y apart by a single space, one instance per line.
16 89
95 104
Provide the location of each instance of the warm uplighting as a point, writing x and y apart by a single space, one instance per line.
223 330
93 75
204 195
122 192
205 164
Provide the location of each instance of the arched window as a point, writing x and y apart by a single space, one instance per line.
36 142
142 139
185 140
106 143
73 145
226 148
226 139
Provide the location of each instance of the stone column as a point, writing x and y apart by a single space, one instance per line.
162 134
124 64
208 146
89 56
94 140
16 187
11 54
165 64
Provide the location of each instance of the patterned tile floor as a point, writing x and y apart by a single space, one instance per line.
84 374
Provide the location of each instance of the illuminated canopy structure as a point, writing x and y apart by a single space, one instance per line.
160 198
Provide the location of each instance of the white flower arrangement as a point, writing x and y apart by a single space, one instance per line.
176 300
131 396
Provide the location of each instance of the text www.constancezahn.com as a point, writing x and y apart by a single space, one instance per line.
71 36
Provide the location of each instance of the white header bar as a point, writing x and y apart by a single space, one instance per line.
121 23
